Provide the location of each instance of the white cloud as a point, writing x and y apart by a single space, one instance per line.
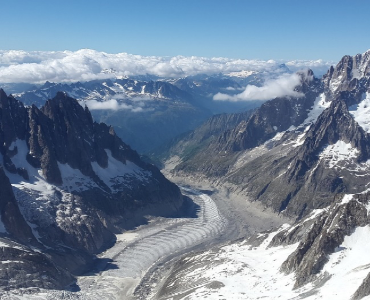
111 105
319 66
282 86
85 64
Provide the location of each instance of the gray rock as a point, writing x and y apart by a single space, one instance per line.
321 239
363 290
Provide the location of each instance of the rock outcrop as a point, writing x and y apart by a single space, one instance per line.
326 233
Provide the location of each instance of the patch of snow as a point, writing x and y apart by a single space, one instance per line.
340 151
127 237
334 84
348 266
361 112
300 140
318 107
278 136
4 243
11 261
241 272
118 173
314 214
241 74
244 273
347 198
74 180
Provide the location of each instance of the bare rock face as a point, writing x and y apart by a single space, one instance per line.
277 115
20 265
320 236
363 290
75 183
11 217
24 268
350 75
273 116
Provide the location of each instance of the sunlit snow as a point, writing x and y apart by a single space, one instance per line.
361 112
340 151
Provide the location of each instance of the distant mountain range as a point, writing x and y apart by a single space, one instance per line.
146 113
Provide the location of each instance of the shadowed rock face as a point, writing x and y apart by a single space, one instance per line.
363 290
24 267
272 117
87 182
11 217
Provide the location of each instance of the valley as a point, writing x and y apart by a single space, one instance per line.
126 270
272 202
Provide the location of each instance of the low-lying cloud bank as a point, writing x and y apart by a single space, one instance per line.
84 65
112 104
282 86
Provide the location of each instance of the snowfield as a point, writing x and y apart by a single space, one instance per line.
240 271
361 112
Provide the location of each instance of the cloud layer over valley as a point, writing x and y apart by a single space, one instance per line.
282 86
84 65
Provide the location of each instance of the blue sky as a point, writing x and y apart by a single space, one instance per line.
264 29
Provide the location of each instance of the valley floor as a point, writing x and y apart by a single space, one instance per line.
140 260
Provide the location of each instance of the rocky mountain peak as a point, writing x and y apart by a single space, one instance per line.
333 125
2 95
273 116
67 183
350 74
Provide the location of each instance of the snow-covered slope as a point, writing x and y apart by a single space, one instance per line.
257 268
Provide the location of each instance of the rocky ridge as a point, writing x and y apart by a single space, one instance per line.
68 184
